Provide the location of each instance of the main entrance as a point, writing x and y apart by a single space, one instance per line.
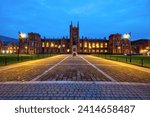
74 50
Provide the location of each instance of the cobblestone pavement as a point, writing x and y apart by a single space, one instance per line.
74 91
26 71
67 77
121 72
73 69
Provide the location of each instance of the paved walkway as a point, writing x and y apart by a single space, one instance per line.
67 77
74 91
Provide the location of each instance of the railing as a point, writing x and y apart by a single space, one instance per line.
10 59
139 60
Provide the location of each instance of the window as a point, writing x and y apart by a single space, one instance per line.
90 46
52 45
85 44
101 45
59 46
81 45
93 45
102 51
106 44
32 43
47 44
63 45
85 50
97 45
97 51
43 44
93 51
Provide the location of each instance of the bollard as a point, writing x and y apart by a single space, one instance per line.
130 59
142 62
126 59
5 61
18 58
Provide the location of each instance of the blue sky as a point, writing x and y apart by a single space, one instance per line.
98 18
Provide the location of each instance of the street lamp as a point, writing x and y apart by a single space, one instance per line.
21 37
18 52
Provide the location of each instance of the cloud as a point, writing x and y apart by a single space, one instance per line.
83 10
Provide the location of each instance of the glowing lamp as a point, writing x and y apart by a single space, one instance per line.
126 36
3 51
22 35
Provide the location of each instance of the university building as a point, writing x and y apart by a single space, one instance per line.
34 44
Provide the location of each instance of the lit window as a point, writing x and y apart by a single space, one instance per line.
97 45
80 44
63 45
93 51
90 46
43 44
106 51
119 48
85 44
85 50
47 44
97 51
106 44
59 46
102 51
93 45
52 45
10 51
147 48
101 45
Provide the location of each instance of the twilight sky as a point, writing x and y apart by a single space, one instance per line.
98 18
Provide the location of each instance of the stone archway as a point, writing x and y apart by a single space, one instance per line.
74 50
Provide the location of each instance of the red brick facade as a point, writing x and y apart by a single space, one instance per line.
117 45
141 46
34 44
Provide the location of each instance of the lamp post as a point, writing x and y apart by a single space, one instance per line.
22 36
18 48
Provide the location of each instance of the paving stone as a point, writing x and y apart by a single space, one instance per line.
25 91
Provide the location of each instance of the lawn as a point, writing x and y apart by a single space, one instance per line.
6 59
139 60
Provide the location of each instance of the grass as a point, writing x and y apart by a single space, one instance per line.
6 59
139 60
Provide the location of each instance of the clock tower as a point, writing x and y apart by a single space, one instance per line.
74 39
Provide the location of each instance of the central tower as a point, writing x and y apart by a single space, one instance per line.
74 38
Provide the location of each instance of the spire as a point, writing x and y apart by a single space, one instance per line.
78 24
71 24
